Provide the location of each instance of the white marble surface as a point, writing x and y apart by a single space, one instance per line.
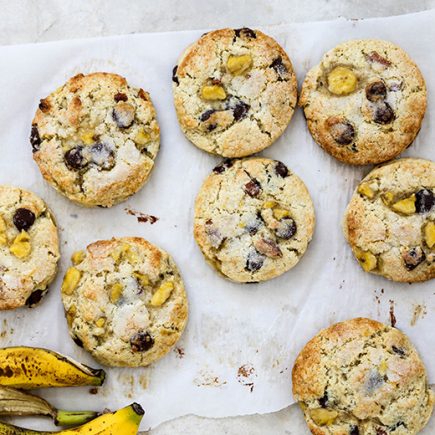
24 21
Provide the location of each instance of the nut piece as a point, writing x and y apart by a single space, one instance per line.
429 234
213 92
142 279
405 206
342 81
367 260
238 65
162 294
87 137
21 247
323 417
116 292
77 257
70 280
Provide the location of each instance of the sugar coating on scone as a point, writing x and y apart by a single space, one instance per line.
29 248
95 139
364 102
234 92
253 219
361 377
124 301
390 221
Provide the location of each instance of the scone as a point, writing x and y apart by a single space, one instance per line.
361 377
365 101
95 139
390 221
29 248
253 219
124 301
234 92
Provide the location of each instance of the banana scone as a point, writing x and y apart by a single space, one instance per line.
95 139
234 92
253 219
29 248
361 377
364 102
390 221
124 301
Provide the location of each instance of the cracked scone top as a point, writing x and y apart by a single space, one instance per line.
234 92
95 139
390 221
364 102
124 301
253 219
29 248
361 377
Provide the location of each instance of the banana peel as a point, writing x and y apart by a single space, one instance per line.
125 421
31 367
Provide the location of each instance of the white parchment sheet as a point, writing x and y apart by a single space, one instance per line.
241 341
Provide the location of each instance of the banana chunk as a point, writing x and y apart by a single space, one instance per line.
162 294
342 81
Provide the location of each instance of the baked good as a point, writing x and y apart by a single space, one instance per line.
361 377
95 139
234 92
364 102
124 301
390 221
253 219
29 248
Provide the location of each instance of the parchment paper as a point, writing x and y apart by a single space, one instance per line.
237 352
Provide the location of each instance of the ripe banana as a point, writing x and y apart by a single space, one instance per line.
30 367
15 402
125 421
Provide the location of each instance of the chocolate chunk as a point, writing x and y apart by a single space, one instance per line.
252 188
240 110
212 127
268 247
74 158
23 219
123 114
143 95
354 430
34 298
286 229
215 237
253 226
254 261
141 342
103 156
120 97
424 201
35 139
323 401
245 32
342 132
376 91
374 56
413 257
227 163
204 116
281 169
380 431
77 341
44 105
398 350
174 75
278 66
384 114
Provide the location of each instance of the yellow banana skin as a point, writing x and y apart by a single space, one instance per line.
125 421
31 367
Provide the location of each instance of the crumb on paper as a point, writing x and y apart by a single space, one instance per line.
418 312
142 217
245 373
393 319
179 352
207 379
93 390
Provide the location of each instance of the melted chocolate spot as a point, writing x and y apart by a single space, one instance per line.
23 219
35 139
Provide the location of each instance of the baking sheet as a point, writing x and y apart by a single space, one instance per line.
236 355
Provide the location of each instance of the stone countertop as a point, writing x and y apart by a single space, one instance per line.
26 21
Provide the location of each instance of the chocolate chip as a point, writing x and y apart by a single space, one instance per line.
398 350
424 201
34 298
120 97
384 114
413 257
278 66
240 110
23 219
374 56
323 401
286 228
254 261
204 116
252 188
77 341
123 114
281 169
174 75
141 342
227 163
245 31
342 132
212 127
74 158
103 156
376 91
44 105
354 430
35 139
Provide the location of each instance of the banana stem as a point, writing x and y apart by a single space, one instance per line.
73 418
